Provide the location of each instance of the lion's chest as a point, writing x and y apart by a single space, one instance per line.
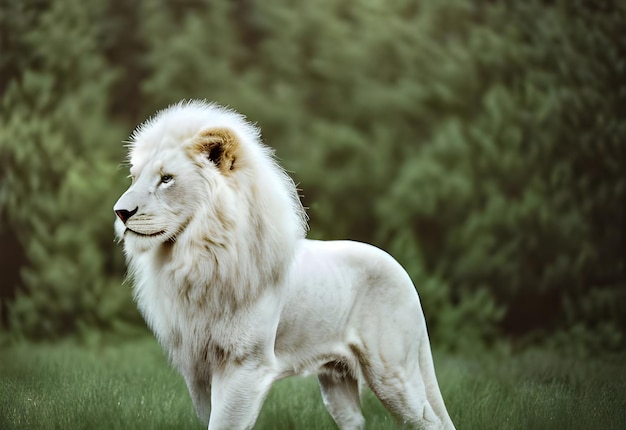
192 324
167 305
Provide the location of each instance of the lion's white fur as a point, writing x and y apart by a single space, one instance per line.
213 233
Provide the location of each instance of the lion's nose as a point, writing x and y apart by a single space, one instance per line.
123 214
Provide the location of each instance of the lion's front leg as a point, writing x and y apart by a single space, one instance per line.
237 396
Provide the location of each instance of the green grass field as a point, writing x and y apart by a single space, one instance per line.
131 386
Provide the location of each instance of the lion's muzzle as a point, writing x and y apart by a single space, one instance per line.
126 206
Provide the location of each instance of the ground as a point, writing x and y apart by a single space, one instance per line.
129 385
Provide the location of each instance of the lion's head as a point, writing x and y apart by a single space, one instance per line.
203 182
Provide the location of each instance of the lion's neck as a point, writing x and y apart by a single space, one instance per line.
198 270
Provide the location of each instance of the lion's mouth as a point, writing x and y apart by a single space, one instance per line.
160 233
136 233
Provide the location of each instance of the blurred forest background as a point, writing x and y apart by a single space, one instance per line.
482 143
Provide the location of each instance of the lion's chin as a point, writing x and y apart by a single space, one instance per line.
142 241
137 242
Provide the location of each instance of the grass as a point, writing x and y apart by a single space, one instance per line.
131 386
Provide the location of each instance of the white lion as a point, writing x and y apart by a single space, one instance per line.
213 234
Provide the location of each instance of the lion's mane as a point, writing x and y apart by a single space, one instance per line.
244 224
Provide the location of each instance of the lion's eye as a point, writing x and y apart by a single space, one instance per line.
166 178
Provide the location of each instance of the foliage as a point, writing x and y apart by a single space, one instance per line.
481 143
60 158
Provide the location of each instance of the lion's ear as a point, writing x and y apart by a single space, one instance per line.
218 145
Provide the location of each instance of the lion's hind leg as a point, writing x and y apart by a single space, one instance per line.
340 393
402 391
